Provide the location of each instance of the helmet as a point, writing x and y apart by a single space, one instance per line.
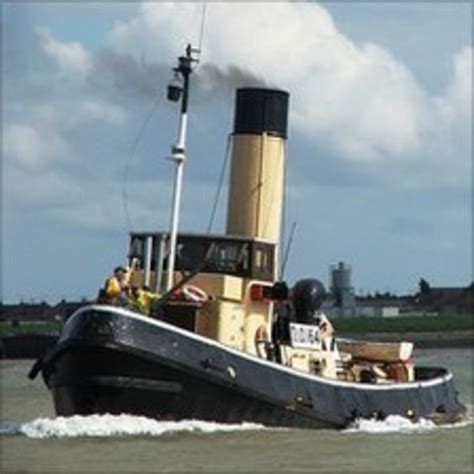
307 295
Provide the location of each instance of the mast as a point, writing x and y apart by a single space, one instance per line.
178 90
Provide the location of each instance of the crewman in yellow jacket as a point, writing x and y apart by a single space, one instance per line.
116 291
143 299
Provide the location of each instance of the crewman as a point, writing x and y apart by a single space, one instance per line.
116 289
326 329
143 299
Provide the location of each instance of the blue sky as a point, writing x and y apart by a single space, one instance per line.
379 151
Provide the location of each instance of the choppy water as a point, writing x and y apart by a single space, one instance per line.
33 440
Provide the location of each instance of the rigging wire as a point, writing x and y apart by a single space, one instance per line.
287 250
281 156
221 182
146 121
130 155
284 212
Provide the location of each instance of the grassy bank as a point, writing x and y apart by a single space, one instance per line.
442 323
30 327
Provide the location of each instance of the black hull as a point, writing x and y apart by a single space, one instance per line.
26 346
110 360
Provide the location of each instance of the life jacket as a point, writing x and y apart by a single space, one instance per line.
145 299
113 290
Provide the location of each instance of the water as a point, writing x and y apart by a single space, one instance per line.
33 440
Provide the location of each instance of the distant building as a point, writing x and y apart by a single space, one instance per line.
377 311
447 300
342 296
39 312
343 303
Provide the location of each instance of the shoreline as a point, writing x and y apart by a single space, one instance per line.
422 339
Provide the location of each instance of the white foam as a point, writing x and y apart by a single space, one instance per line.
391 424
122 425
399 424
129 425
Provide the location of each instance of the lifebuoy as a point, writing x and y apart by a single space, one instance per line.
193 293
261 341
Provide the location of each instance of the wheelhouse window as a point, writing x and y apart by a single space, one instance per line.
243 257
213 255
263 261
137 248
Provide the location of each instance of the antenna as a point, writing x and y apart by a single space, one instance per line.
201 32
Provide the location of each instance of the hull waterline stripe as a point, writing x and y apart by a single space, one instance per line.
272 365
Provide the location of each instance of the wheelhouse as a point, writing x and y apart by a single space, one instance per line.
242 257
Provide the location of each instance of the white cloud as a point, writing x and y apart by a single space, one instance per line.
46 135
85 202
371 113
359 100
30 148
460 89
456 104
39 191
101 111
69 56
447 151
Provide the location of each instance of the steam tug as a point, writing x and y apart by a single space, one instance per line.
228 341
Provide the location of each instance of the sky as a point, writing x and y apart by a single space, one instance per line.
379 151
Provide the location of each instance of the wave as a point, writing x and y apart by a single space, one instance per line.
130 425
115 425
400 424
391 424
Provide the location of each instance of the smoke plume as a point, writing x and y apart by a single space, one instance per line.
213 78
126 74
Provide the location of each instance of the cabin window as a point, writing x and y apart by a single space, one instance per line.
263 262
226 256
244 257
137 249
190 255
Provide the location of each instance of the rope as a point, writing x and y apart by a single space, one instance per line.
129 157
219 187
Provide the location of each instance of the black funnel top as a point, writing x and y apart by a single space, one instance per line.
261 110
